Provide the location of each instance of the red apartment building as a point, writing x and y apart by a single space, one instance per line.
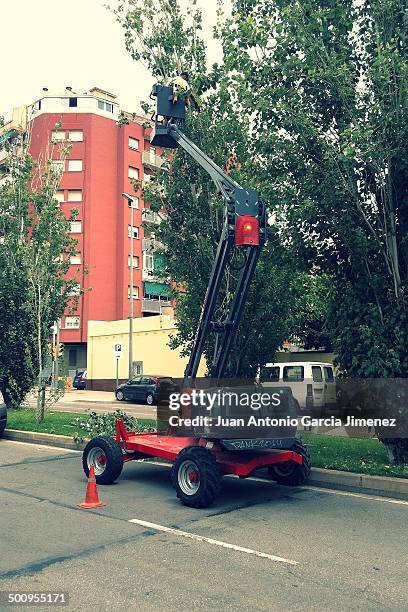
104 157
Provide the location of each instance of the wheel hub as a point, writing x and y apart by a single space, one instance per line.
194 476
285 468
102 459
97 458
189 477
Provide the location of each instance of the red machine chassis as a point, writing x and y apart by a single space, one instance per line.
240 463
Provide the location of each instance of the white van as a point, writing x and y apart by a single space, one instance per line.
313 384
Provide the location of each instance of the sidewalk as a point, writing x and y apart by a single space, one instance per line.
95 401
87 396
75 396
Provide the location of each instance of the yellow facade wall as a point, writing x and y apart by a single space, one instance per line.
150 346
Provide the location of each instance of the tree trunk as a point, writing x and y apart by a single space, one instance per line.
41 388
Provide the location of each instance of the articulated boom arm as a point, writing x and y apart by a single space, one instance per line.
244 228
228 187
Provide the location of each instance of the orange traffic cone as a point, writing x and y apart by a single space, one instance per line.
91 497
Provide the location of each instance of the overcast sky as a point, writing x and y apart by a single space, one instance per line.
55 43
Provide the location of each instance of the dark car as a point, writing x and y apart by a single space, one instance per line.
147 389
79 381
3 414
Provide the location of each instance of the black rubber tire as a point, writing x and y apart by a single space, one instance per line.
147 399
210 477
296 474
120 392
114 459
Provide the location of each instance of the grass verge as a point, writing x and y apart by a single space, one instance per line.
61 423
364 456
361 455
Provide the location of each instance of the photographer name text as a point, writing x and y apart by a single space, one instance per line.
255 421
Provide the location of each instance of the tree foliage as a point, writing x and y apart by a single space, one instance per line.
194 213
326 86
34 259
190 232
165 38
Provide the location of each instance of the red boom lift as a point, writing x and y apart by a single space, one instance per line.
200 461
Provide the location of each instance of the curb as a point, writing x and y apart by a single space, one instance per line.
384 486
33 437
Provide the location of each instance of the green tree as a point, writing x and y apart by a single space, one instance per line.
34 259
163 37
326 86
168 40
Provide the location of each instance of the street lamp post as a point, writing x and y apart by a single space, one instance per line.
130 200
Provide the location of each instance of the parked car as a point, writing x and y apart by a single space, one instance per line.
3 414
79 381
147 389
313 384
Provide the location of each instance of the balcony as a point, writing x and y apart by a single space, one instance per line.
149 244
17 125
148 216
3 157
154 306
149 275
13 147
151 160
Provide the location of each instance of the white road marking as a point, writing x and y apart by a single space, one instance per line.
46 446
388 500
199 538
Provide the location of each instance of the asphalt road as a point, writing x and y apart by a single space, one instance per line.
338 551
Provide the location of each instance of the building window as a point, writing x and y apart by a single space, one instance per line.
74 165
133 143
135 261
135 232
134 203
133 173
72 357
75 227
135 292
59 196
73 102
72 322
148 262
74 195
57 136
105 106
76 135
58 165
75 259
